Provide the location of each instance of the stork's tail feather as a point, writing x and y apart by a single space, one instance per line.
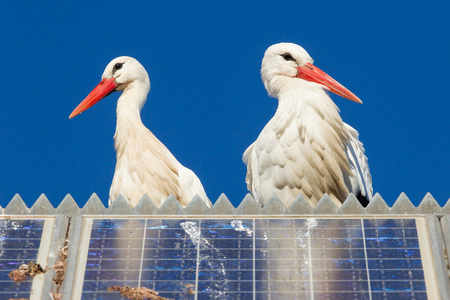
362 199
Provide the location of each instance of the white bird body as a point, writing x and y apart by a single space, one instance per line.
305 148
144 165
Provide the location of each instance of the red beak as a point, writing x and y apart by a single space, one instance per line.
103 89
312 73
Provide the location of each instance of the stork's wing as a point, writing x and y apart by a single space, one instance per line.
361 183
191 185
251 161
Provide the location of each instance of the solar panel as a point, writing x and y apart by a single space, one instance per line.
23 240
257 258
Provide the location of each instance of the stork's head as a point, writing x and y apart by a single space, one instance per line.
286 63
121 73
125 70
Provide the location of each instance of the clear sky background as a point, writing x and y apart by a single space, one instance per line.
207 103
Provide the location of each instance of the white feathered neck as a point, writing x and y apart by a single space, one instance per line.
142 160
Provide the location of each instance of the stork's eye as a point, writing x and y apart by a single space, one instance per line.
287 57
117 66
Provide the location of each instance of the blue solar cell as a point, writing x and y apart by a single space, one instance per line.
112 253
350 275
172 275
170 253
339 264
111 243
20 240
169 264
108 263
118 223
282 258
18 233
391 232
18 243
224 234
393 253
98 286
404 264
340 285
394 295
344 243
231 243
392 243
123 233
398 285
396 274
119 274
9 288
388 223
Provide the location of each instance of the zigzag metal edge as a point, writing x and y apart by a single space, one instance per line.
223 206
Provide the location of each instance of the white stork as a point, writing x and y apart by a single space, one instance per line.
144 164
306 147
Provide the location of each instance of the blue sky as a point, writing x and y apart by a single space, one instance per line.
207 102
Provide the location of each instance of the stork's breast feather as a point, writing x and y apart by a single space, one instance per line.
307 156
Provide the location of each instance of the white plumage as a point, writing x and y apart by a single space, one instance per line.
306 147
144 164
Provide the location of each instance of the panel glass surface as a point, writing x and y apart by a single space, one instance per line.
287 258
20 240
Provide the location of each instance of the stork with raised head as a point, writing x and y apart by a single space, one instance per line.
305 148
144 165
